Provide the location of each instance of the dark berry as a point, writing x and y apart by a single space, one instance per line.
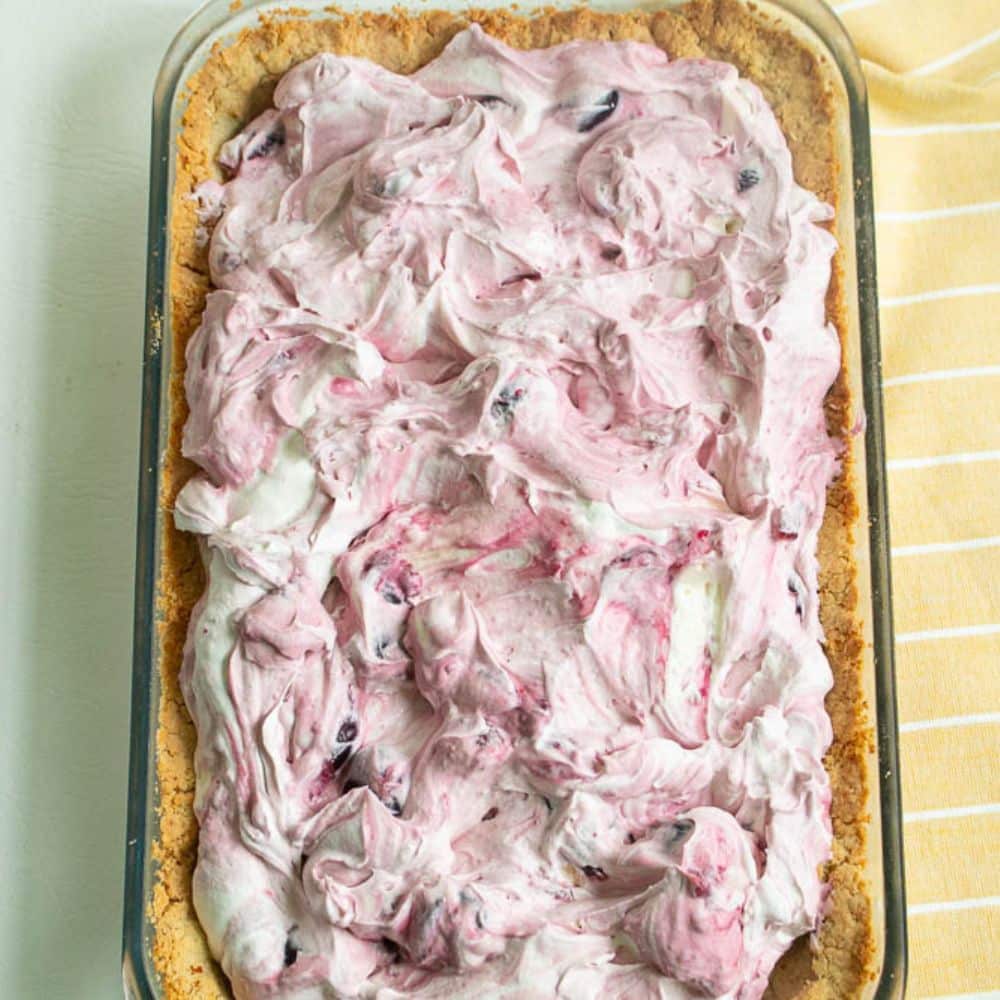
641 557
272 140
678 832
591 871
339 757
291 952
491 813
344 746
797 590
505 403
392 804
610 252
605 108
747 178
524 276
491 100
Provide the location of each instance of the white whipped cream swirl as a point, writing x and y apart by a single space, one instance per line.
508 407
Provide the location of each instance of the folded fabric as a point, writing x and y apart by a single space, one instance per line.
933 72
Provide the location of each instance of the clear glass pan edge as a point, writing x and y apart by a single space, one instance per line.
215 20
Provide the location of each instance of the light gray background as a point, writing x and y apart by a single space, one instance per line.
76 78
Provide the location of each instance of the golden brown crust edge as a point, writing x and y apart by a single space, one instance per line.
235 83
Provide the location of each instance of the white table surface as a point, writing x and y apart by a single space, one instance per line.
76 78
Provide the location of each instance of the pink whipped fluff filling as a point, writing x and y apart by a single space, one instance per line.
508 408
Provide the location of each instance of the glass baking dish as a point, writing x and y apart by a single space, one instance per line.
813 21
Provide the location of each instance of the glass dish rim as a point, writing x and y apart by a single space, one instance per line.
206 22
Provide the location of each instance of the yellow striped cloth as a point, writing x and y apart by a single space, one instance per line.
933 70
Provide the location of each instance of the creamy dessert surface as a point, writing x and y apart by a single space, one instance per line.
517 406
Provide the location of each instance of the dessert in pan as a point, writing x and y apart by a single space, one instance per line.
513 449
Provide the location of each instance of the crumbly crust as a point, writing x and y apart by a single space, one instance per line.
236 83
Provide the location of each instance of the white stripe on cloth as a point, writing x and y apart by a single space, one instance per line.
957 55
951 721
935 128
986 995
979 903
929 815
941 375
929 461
959 291
923 215
955 632
930 548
